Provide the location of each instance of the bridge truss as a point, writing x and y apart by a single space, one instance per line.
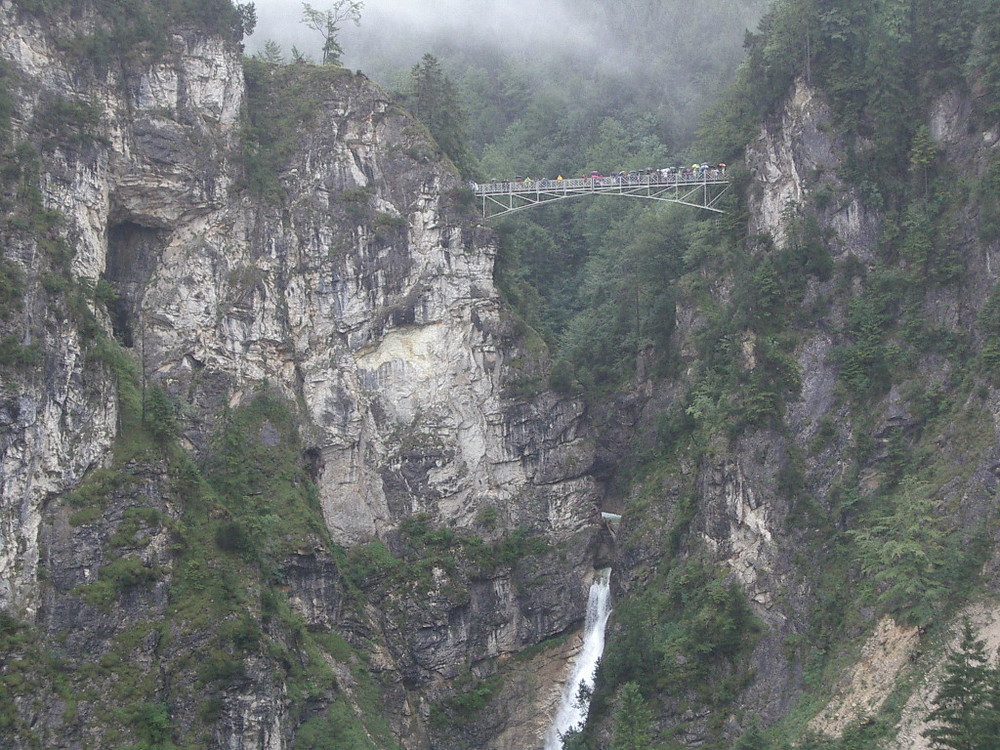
502 198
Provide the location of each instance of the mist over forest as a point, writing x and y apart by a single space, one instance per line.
561 87
663 61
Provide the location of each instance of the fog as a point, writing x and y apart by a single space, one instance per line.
401 30
665 59
395 33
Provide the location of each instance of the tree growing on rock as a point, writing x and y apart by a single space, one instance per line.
327 23
966 714
633 720
435 101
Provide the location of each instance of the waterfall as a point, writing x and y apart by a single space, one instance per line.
570 714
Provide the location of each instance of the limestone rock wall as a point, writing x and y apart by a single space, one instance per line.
753 490
364 295
137 165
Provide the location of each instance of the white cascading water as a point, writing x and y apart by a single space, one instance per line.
571 714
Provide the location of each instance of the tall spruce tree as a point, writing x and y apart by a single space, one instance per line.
961 711
983 66
434 100
633 720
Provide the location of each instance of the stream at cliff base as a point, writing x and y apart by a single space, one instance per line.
571 714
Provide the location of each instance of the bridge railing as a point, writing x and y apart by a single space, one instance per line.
710 177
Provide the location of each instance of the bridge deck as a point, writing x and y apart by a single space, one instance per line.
499 198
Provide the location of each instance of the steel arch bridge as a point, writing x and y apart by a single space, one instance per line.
700 191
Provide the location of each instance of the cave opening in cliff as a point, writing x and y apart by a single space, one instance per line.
133 250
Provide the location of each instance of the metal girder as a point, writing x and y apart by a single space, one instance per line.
502 198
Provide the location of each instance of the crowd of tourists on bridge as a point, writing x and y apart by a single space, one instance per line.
666 175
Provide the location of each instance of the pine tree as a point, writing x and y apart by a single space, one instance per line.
633 720
983 66
905 550
960 706
434 100
986 728
158 414
923 153
271 53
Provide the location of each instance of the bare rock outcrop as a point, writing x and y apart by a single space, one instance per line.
359 288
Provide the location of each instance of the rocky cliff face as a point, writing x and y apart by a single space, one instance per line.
765 503
362 294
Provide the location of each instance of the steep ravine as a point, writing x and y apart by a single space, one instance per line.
277 463
348 319
772 504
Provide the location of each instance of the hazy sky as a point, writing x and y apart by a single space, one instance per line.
696 43
521 25
495 22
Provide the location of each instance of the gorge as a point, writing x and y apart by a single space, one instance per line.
296 451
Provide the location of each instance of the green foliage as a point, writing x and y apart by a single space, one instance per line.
153 726
561 378
69 122
85 516
124 370
6 103
912 554
213 606
983 64
753 739
271 53
231 537
627 298
136 521
633 720
417 529
158 414
96 488
923 153
21 660
559 109
425 547
388 227
985 190
536 274
327 23
368 564
336 729
17 356
434 100
684 633
139 29
513 549
280 101
966 713
255 467
863 366
222 668
990 358
118 577
879 62
632 145
472 697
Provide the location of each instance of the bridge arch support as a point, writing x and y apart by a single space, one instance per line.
502 198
